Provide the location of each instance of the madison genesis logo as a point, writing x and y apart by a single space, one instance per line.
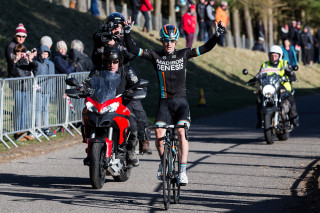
169 65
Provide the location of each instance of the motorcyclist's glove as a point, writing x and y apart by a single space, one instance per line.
87 87
127 28
293 77
252 81
219 29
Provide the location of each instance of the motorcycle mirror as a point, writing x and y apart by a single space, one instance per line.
245 72
74 93
72 82
295 68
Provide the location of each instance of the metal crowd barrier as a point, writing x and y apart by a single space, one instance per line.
75 106
31 104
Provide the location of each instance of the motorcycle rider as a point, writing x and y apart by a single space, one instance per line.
111 35
170 65
275 61
112 62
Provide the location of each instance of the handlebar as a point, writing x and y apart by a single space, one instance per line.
166 126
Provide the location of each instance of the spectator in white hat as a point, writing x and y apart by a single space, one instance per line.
19 38
46 41
60 59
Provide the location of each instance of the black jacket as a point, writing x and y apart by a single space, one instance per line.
83 62
23 68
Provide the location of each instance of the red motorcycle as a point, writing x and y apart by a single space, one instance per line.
106 126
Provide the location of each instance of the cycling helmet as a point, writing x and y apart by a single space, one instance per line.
116 18
275 49
170 32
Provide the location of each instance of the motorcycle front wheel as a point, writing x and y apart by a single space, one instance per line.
96 168
268 129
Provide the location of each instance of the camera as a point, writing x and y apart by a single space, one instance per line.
23 55
106 32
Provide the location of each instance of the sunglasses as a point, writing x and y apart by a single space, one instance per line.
169 41
20 36
113 62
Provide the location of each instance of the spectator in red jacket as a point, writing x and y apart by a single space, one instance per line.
146 6
189 23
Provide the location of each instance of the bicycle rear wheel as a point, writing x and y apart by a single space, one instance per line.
174 182
166 177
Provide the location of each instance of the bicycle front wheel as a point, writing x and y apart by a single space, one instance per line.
174 183
166 176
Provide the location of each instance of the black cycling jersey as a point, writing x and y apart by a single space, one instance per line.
171 68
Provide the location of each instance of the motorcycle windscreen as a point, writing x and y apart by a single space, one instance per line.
104 85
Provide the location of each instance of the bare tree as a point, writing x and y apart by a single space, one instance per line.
236 26
172 13
82 5
158 15
248 23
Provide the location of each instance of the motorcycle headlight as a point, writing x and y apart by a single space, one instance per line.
110 108
268 91
91 107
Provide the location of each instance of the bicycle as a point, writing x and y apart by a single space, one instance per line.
171 163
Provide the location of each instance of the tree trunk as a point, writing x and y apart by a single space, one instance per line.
228 35
125 10
172 13
270 26
248 23
82 5
236 26
65 3
112 6
158 15
107 7
266 30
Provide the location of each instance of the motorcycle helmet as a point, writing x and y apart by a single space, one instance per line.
169 32
110 54
116 18
275 49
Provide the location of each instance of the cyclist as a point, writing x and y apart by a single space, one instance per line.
170 65
275 61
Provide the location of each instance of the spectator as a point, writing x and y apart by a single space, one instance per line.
77 56
289 54
259 45
146 6
47 41
94 8
189 24
297 46
210 17
60 59
135 5
19 38
294 34
306 45
284 33
317 45
259 30
22 66
201 15
222 15
182 7
72 4
45 87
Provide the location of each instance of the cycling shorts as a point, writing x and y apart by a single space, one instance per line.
173 111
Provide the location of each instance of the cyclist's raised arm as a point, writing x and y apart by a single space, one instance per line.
210 43
132 47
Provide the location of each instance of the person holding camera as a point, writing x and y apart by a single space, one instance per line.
111 35
22 66
19 38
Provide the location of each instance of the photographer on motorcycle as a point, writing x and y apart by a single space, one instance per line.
284 69
112 62
111 35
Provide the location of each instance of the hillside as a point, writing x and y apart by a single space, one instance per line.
218 72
